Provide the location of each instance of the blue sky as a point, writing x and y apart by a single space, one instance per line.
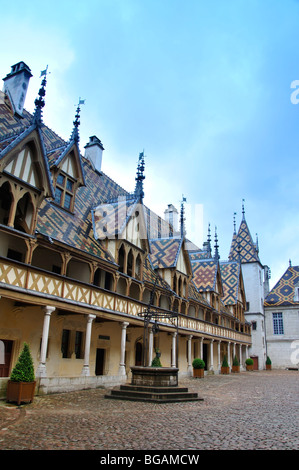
203 87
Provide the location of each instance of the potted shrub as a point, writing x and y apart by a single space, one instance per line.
198 367
225 366
236 365
249 363
21 386
268 363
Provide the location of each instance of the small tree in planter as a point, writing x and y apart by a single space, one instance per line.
268 363
249 363
21 386
225 366
198 367
236 365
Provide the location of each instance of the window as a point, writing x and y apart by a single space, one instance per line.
278 324
253 325
64 191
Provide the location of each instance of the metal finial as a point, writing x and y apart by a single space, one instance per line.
139 192
40 102
235 223
216 245
182 218
75 133
243 209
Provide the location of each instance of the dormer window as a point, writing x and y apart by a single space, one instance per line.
64 191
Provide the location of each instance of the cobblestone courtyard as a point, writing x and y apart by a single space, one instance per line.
250 410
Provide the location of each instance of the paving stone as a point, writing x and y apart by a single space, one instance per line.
247 411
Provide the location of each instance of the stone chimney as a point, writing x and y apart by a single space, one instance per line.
16 85
94 151
171 216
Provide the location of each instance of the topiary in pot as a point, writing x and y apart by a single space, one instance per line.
198 367
268 363
236 365
21 386
249 363
225 366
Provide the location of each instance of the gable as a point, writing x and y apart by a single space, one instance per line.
24 158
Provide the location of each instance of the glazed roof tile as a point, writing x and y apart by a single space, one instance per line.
283 292
242 247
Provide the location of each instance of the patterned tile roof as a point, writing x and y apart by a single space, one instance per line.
205 274
283 292
164 252
242 246
230 275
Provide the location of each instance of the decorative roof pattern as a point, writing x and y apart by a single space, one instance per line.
242 247
205 274
230 275
283 292
164 252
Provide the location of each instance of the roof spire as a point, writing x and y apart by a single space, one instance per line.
243 209
216 245
182 217
139 192
40 102
209 239
257 243
75 133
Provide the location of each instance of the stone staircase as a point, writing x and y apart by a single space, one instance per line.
153 394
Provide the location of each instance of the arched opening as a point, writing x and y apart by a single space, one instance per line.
130 263
47 259
138 353
103 279
164 302
24 214
5 203
78 270
146 296
138 267
134 291
192 311
121 287
121 259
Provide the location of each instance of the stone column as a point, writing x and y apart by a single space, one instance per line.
122 365
41 370
219 355
173 357
85 369
190 369
228 353
150 346
201 348
240 356
234 350
211 356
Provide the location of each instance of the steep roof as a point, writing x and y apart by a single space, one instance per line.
283 292
164 252
230 275
243 248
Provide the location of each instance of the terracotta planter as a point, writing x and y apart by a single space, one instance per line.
199 373
224 370
235 369
249 367
268 367
20 392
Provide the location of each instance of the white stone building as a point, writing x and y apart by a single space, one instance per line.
282 321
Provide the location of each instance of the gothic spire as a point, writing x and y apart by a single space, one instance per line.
243 209
182 218
216 245
139 192
40 102
75 133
